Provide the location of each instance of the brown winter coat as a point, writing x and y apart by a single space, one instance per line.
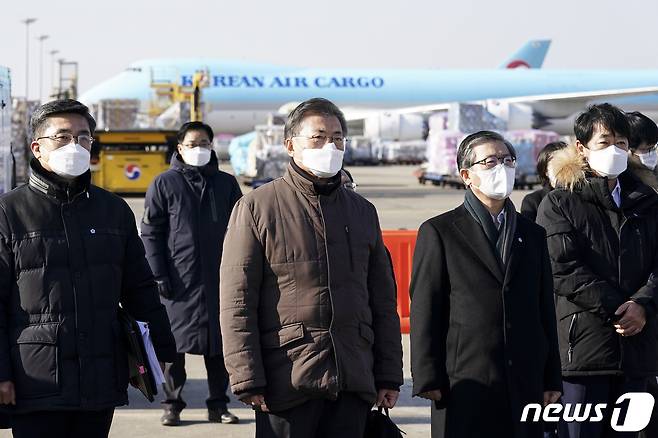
307 296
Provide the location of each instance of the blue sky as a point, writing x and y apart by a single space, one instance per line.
104 37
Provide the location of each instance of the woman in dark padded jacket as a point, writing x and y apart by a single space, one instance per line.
531 201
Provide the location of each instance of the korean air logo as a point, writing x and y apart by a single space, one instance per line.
132 172
519 63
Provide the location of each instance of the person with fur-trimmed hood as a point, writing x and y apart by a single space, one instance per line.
642 155
601 224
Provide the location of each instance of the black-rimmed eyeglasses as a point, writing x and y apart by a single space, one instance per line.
84 140
321 140
492 161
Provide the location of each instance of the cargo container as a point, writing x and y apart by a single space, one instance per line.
395 127
127 161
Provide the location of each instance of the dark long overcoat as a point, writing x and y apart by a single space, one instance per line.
485 336
185 218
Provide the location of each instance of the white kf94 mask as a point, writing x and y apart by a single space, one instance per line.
610 162
197 156
649 159
69 161
498 182
325 162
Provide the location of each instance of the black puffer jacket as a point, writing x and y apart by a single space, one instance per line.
69 254
602 256
531 202
185 218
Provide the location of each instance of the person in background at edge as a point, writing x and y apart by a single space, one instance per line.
531 201
642 155
642 160
529 208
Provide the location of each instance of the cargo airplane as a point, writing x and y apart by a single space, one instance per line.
240 95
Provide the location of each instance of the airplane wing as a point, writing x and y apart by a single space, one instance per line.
531 55
542 103
583 96
554 105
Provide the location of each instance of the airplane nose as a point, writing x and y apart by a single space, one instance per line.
130 84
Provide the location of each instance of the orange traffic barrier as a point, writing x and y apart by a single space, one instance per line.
401 244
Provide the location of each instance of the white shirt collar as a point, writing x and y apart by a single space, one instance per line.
497 220
616 194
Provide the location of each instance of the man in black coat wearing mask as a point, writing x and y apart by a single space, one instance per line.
185 219
69 256
483 338
602 228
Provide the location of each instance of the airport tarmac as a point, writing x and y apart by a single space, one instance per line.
141 419
402 203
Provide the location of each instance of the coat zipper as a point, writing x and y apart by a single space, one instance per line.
572 332
564 244
331 299
349 246
198 225
639 238
621 345
213 206
200 259
69 203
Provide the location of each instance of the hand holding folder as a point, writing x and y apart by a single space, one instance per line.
150 353
144 369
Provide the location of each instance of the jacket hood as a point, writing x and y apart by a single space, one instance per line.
567 169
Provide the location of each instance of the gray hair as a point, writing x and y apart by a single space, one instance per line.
39 119
311 107
465 156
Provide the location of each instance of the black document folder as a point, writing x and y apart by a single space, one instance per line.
139 369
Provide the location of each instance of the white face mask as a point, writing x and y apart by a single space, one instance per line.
649 159
197 156
325 162
497 183
610 162
69 161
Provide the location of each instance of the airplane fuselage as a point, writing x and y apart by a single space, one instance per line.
239 95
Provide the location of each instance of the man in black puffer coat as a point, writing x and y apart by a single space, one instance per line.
69 255
185 218
602 229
